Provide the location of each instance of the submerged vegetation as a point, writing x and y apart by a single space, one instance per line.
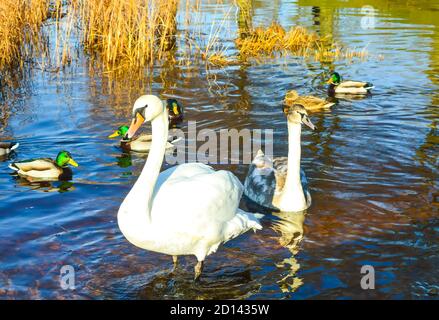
131 34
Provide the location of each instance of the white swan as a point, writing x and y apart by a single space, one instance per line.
187 209
280 183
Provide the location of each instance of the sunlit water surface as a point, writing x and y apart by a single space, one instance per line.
372 166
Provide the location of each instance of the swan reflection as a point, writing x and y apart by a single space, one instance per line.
290 228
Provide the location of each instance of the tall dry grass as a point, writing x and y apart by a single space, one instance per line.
133 32
118 32
20 23
123 34
297 40
22 36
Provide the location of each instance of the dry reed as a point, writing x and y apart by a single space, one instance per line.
297 40
20 23
132 32
23 38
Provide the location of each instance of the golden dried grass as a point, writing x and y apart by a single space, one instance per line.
20 22
132 32
299 41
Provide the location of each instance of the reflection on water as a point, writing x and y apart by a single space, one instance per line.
372 165
124 160
46 186
290 230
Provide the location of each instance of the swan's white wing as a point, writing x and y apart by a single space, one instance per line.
186 170
195 208
199 191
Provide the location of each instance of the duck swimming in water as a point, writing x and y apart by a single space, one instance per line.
311 103
45 169
140 144
336 85
143 142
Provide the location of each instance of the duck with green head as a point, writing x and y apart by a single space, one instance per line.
337 85
175 112
143 142
46 169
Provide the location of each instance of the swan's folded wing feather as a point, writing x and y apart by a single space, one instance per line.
207 195
241 223
260 185
305 187
304 181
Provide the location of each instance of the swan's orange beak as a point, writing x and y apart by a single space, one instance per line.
135 125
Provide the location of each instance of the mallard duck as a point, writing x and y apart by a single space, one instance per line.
7 147
336 85
175 112
204 210
143 142
310 103
140 144
45 169
280 183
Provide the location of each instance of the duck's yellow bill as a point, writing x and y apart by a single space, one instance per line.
329 81
175 109
114 134
73 162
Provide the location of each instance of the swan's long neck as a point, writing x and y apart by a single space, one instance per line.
292 197
139 199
